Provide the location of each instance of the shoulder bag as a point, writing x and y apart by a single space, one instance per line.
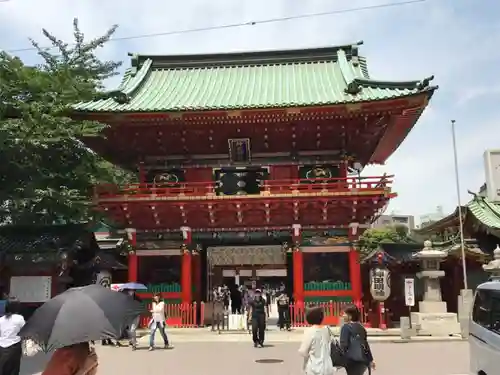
336 353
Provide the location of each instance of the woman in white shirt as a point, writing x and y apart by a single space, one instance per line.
158 317
10 342
315 346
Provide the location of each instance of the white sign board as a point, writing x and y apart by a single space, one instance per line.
410 292
492 172
31 289
271 273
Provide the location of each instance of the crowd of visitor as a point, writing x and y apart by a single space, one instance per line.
321 351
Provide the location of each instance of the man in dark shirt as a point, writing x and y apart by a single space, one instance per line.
283 311
258 315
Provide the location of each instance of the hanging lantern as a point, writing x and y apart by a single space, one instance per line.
380 283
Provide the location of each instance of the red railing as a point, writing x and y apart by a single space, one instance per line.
179 315
333 313
182 315
269 187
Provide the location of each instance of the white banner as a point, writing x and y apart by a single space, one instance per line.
410 292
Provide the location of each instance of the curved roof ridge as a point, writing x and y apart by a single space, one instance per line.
345 68
129 73
495 208
484 212
420 85
138 78
131 83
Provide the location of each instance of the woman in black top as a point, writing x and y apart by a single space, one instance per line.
354 343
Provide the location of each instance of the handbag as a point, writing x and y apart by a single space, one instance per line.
30 348
336 353
357 350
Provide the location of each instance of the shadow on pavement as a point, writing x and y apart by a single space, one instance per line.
34 365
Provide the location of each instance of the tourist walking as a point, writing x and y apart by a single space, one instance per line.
258 315
283 302
132 328
158 322
315 346
236 300
10 342
267 297
217 309
354 343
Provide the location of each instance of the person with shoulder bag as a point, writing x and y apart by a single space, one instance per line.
354 344
315 346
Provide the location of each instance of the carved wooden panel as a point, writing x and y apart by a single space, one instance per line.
245 255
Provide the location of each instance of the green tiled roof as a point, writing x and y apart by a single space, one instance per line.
319 76
480 209
488 213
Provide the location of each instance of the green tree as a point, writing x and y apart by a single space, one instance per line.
371 239
46 172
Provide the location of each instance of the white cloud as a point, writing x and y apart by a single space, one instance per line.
454 40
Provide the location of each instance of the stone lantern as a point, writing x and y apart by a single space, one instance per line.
433 317
493 267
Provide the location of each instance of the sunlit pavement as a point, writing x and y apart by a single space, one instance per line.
229 358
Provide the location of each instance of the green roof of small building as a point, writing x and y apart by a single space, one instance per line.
480 209
249 80
485 211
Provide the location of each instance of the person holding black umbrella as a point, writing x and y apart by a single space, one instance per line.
81 315
73 359
10 341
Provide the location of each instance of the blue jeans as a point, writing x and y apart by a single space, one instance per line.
160 326
132 331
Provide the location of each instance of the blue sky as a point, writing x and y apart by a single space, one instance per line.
456 40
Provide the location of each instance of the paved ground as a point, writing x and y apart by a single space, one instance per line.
228 358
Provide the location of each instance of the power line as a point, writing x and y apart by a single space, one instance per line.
250 23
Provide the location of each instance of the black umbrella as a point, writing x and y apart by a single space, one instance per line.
79 315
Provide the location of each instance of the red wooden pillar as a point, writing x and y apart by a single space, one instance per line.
298 266
133 261
354 266
196 269
186 284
